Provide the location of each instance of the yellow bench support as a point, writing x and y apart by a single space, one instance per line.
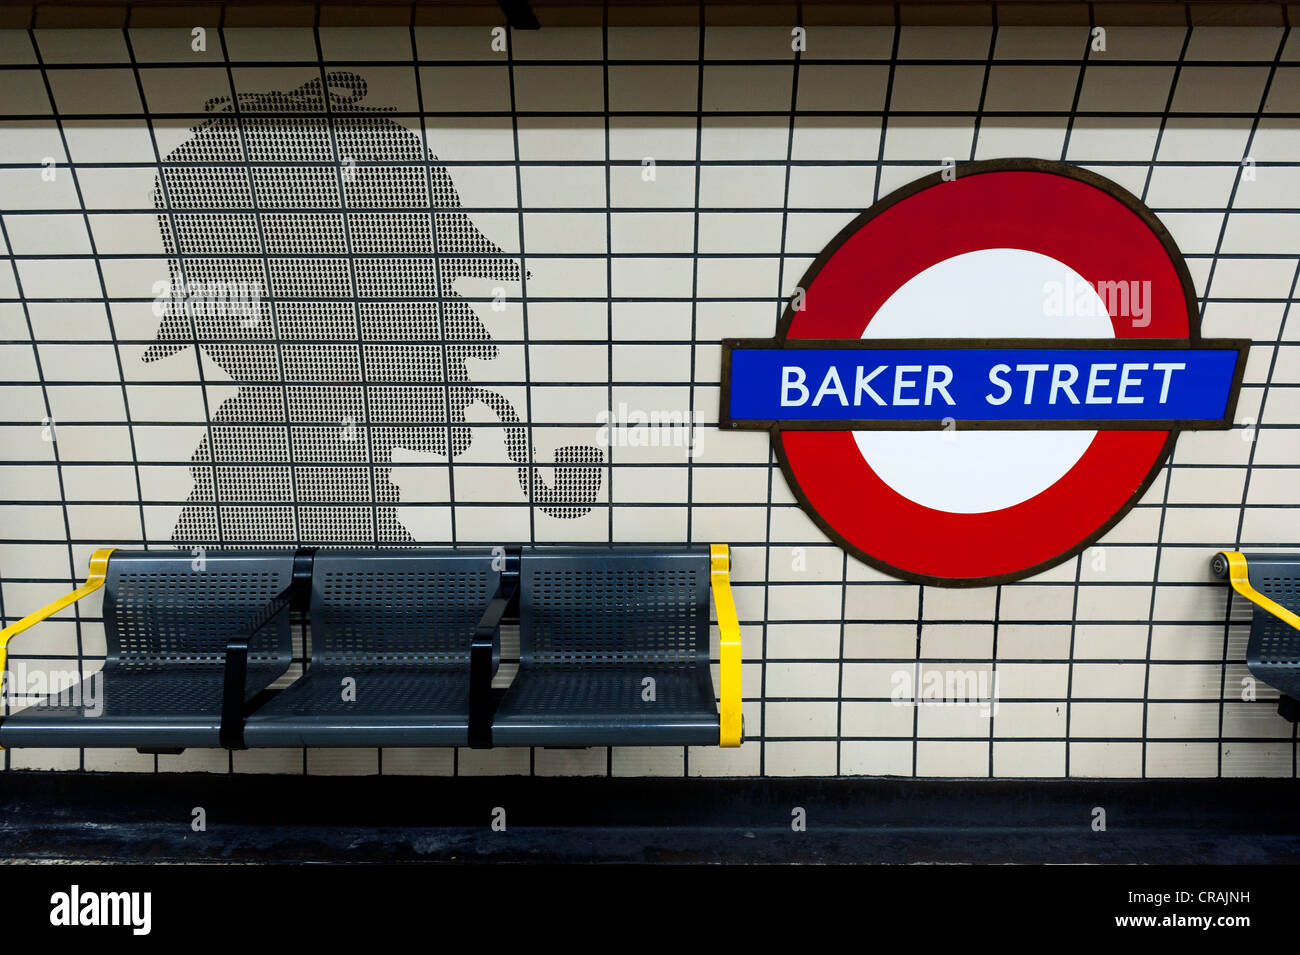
95 580
1239 577
732 724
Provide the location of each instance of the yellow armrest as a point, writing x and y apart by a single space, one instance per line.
729 630
1239 577
95 580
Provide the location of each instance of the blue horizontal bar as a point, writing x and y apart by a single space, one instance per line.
981 384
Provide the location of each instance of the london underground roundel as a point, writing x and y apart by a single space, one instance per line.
983 372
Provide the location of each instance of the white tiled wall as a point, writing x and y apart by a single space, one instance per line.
1125 662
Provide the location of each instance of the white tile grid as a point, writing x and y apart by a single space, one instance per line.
1124 662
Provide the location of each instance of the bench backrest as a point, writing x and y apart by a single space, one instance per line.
164 608
597 606
398 607
1276 576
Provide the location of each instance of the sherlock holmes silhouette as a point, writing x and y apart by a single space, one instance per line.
313 250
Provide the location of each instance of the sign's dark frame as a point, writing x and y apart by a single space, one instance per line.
1193 341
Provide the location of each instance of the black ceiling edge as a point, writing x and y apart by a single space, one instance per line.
519 14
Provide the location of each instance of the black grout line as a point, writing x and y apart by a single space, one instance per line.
771 454
1241 518
338 343
1164 510
278 342
572 299
212 451
558 210
772 474
701 114
112 331
935 738
1254 444
77 610
609 322
876 197
695 262
737 465
898 586
58 470
168 212
488 503
997 600
684 63
628 163
416 258
117 341
531 463
700 35
1078 565
327 101
425 151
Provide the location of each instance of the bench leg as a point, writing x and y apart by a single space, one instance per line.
482 654
480 692
232 694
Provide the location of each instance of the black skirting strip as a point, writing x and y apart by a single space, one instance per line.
142 818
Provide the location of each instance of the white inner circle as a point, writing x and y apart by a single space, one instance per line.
992 293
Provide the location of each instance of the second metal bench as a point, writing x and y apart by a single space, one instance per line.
1271 582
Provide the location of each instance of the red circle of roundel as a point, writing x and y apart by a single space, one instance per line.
1082 220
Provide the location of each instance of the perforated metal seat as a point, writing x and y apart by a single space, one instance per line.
166 625
391 637
614 649
1273 654
1271 582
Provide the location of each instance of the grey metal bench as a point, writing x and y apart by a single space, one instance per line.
1271 582
404 645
